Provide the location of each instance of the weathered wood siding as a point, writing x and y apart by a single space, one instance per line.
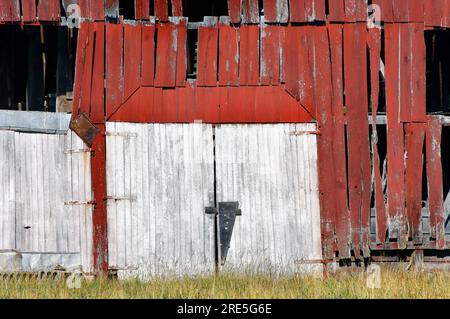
272 171
160 179
45 183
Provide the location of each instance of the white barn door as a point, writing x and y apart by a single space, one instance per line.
271 170
160 178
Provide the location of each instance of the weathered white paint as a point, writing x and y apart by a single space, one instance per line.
272 171
160 178
41 176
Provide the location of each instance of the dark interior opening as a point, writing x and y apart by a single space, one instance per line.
445 155
192 49
438 71
127 9
37 67
198 9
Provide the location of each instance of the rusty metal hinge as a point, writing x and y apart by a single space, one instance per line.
122 134
300 133
122 198
79 203
78 151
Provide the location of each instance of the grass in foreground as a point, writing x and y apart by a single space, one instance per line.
395 284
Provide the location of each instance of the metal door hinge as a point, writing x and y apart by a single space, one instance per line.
79 203
226 213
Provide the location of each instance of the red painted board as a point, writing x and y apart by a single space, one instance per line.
114 67
395 136
207 104
48 10
322 81
249 55
337 10
83 5
356 10
262 104
433 12
342 213
250 11
177 8
435 181
97 10
142 9
270 55
148 55
166 55
9 10
414 143
359 162
228 55
131 59
99 214
161 10
276 11
418 73
181 27
296 67
374 44
234 10
98 71
307 10
412 73
383 10
297 11
111 8
208 43
82 46
29 10
86 85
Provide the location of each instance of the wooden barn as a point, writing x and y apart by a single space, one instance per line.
177 137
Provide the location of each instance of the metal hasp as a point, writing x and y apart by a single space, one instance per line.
226 213
84 128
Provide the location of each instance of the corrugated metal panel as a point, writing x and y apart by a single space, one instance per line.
44 194
272 171
160 179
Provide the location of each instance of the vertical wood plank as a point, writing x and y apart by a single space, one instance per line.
142 9
29 10
9 11
48 10
166 55
234 10
250 11
270 55
276 11
395 146
414 142
208 41
228 55
114 67
148 55
177 8
98 75
131 59
161 10
249 55
435 181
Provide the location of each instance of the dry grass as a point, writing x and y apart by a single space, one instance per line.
395 284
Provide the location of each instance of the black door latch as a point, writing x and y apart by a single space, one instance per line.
227 212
